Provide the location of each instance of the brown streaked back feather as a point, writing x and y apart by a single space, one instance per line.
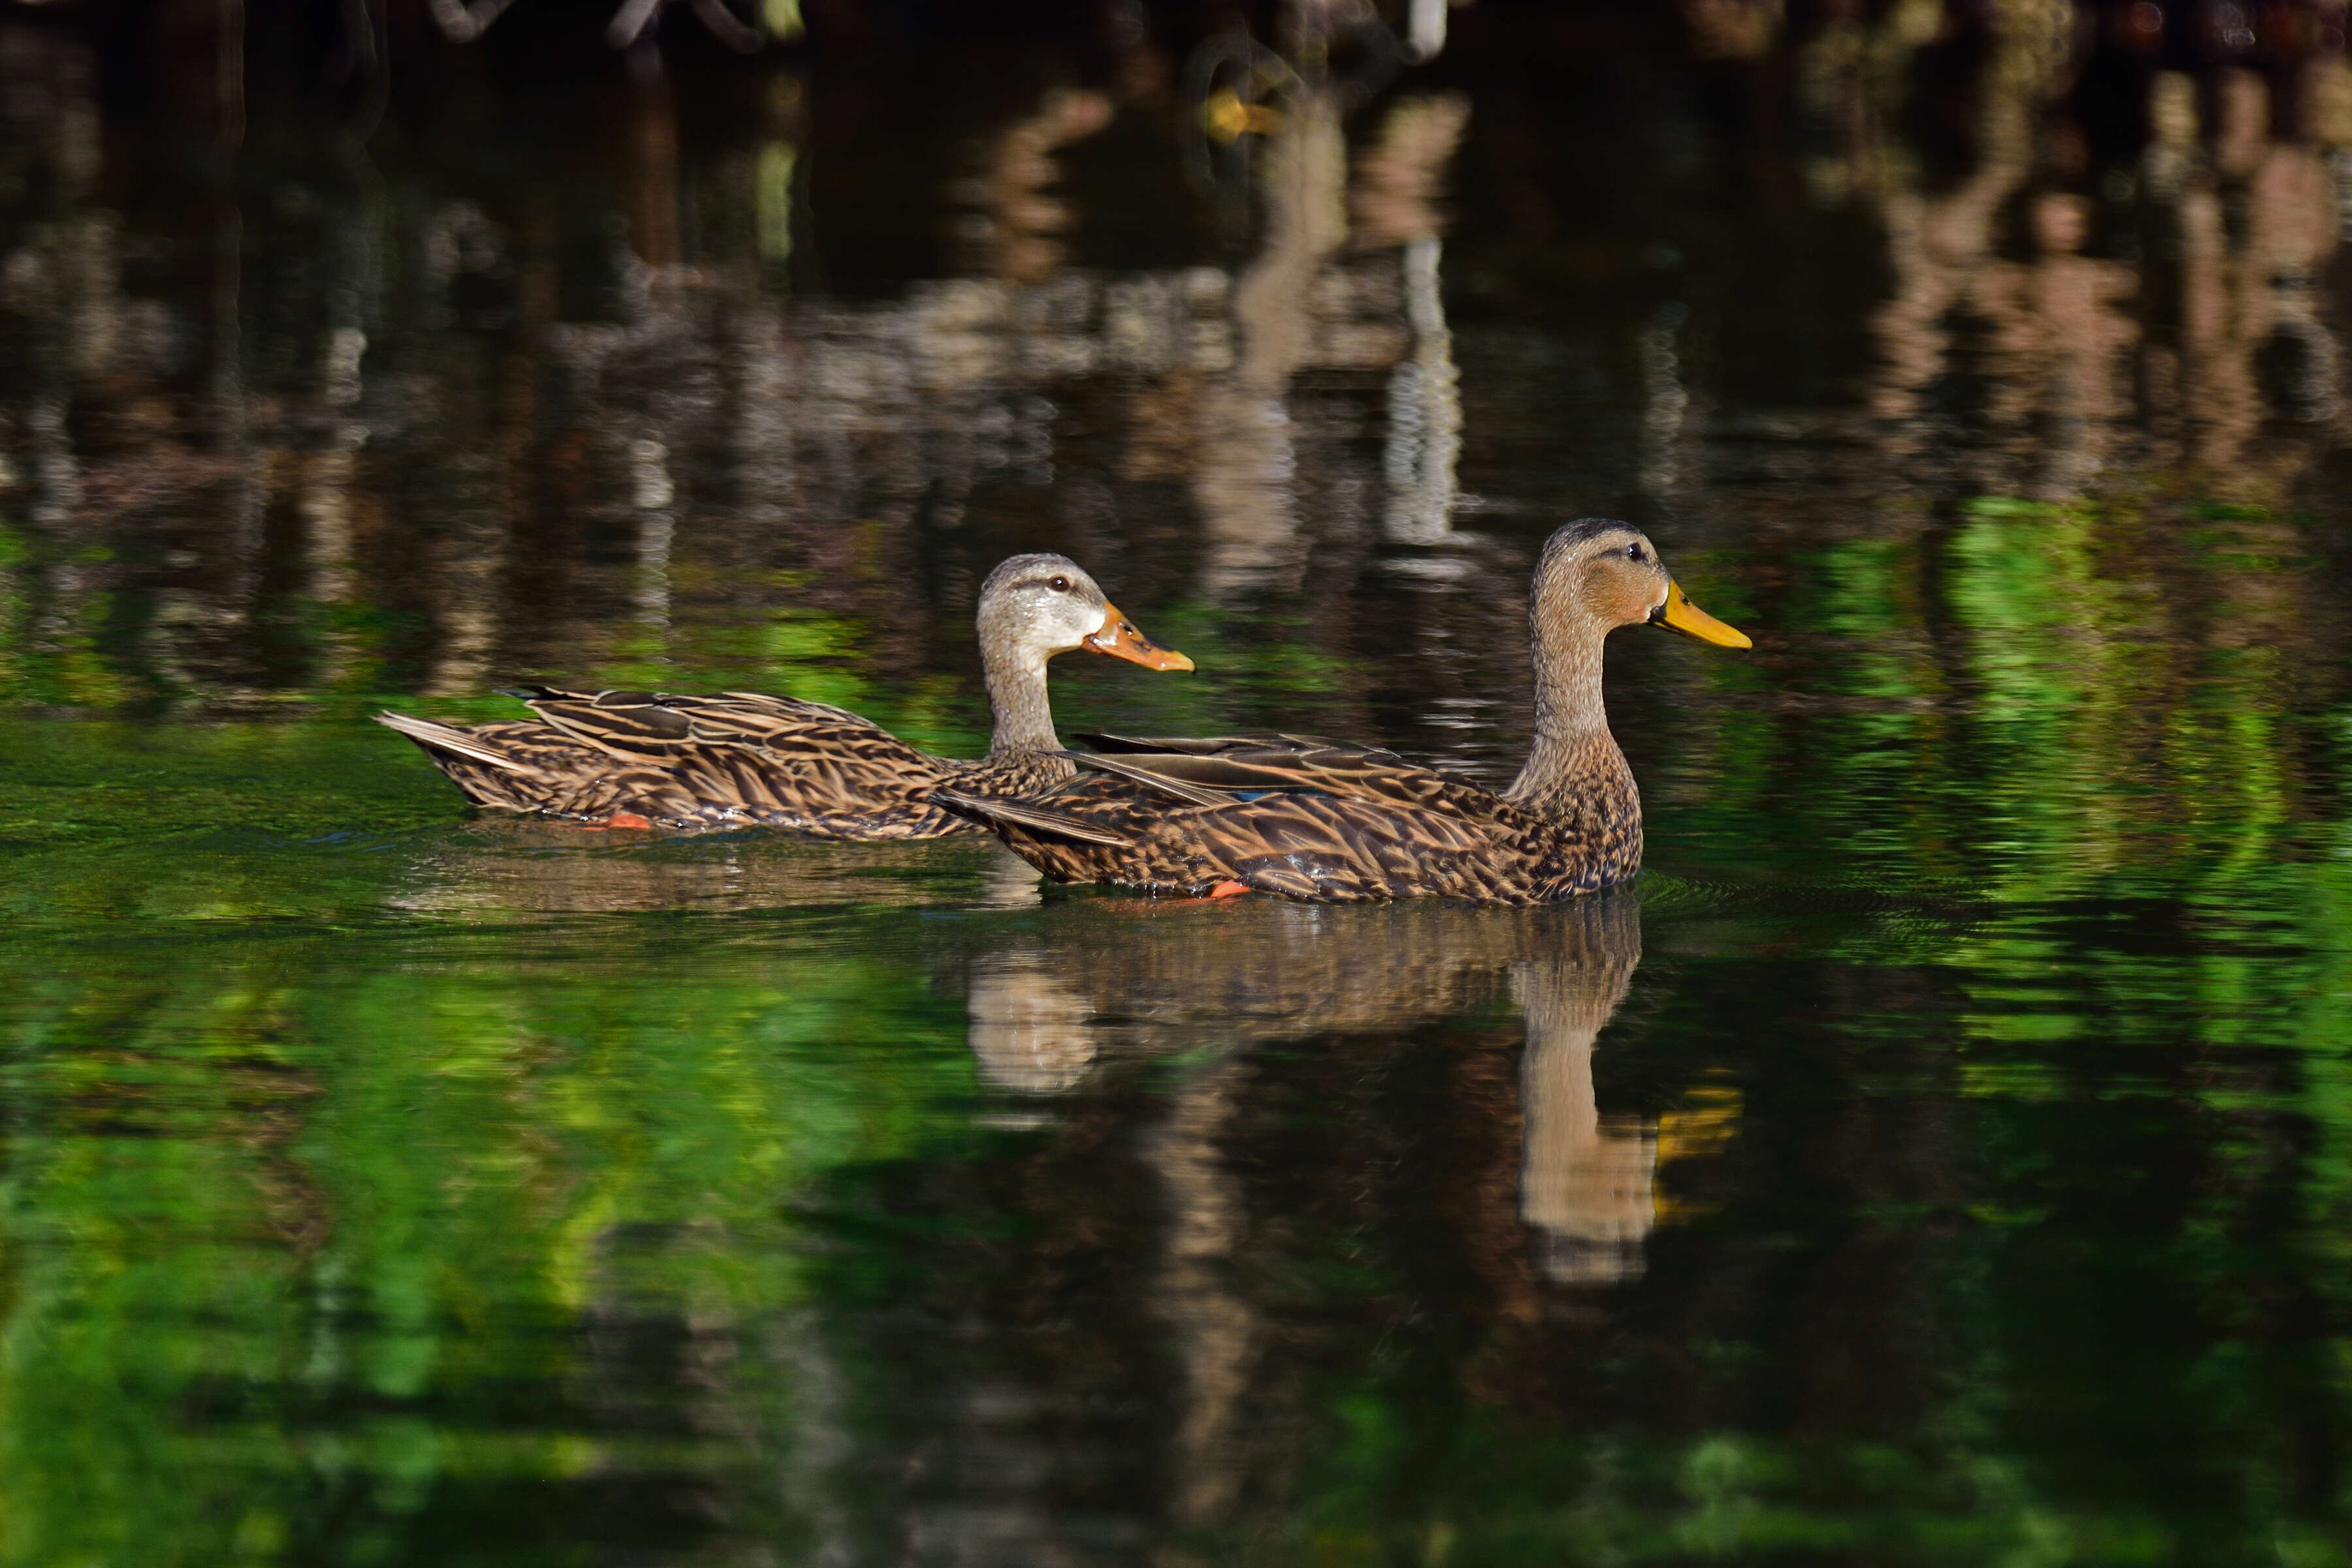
659 724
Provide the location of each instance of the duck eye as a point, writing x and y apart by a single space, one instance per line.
1059 584
1632 552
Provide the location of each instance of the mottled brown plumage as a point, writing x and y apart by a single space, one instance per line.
780 762
1318 819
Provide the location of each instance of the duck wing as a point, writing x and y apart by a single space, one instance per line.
660 724
1215 770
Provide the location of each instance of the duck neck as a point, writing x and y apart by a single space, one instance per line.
1016 693
1574 771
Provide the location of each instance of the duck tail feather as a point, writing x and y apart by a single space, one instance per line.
442 738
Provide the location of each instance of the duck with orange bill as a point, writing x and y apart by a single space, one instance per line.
642 759
1311 819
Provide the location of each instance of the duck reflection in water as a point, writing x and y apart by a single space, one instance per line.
1587 1182
1096 981
1032 1033
503 865
1121 980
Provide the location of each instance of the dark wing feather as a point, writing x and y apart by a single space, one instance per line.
1061 825
1200 746
1145 770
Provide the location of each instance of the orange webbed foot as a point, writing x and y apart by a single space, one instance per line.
1229 889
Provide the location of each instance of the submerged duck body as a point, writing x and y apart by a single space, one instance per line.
638 758
1316 819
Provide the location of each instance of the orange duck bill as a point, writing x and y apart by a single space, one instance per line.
1679 614
1118 639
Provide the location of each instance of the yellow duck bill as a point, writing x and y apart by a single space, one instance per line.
1680 614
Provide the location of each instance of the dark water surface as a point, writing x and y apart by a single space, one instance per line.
1942 1154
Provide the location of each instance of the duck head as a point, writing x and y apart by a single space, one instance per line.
1598 574
1035 607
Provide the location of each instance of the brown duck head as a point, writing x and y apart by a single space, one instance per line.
1031 608
1595 574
